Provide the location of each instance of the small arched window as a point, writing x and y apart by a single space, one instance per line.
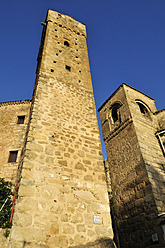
143 109
116 113
161 137
66 43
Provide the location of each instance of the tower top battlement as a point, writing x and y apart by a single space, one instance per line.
66 21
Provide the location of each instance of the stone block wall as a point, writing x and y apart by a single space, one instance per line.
3 240
12 135
160 116
62 199
146 129
136 167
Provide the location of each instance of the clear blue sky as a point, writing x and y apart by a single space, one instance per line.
126 43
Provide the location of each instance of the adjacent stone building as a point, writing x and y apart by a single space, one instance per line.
51 147
134 134
14 118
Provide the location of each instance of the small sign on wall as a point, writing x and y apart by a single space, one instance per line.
96 219
155 237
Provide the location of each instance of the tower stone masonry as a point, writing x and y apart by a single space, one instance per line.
62 197
50 146
134 131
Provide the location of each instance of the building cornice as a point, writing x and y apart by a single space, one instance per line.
14 103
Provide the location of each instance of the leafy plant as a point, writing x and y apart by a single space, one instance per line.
5 204
111 199
6 233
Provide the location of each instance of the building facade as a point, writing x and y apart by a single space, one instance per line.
62 198
134 134
50 146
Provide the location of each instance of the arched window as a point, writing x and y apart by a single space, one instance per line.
116 113
66 43
143 109
161 137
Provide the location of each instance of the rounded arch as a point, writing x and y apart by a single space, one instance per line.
144 109
115 113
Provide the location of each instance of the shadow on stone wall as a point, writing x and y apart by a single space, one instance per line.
136 215
101 243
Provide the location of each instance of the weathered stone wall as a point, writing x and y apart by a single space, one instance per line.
160 115
130 141
62 199
146 128
12 135
11 138
3 240
63 186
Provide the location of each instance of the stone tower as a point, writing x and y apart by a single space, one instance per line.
62 198
131 126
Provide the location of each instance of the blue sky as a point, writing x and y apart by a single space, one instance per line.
126 43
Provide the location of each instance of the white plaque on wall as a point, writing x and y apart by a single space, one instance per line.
96 219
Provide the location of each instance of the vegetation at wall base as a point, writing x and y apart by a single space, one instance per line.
6 233
111 199
5 193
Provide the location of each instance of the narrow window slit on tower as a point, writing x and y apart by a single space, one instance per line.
57 54
75 43
76 57
66 43
52 70
67 67
80 71
12 156
54 61
21 119
60 51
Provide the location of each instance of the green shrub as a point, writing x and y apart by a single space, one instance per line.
6 233
112 201
5 193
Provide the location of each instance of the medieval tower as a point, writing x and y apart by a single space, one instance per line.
50 148
133 131
62 197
